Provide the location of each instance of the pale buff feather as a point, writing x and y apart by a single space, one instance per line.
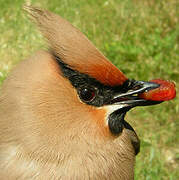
39 141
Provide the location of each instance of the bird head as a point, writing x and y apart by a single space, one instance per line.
72 98
93 95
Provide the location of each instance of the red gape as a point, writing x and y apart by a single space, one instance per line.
165 92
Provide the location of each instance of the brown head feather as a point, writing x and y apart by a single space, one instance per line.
74 48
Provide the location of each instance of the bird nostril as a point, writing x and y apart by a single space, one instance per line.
136 87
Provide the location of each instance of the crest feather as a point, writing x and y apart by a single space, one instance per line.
73 47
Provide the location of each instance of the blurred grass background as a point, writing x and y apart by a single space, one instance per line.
139 37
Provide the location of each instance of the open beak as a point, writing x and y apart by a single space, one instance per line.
131 95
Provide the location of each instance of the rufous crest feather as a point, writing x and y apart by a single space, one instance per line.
74 48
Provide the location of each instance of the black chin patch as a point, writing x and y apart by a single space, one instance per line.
117 123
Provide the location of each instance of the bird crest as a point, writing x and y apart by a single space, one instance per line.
74 48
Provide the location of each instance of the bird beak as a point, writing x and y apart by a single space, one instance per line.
131 97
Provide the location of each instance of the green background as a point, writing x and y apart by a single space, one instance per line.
140 37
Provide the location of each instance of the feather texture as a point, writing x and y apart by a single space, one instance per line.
46 132
74 49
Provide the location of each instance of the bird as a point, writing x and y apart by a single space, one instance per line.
62 110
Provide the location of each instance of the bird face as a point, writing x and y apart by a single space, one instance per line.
114 100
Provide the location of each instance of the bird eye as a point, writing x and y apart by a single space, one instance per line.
87 94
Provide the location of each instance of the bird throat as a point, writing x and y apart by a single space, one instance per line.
116 120
117 124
